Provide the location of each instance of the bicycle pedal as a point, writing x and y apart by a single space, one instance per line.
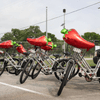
80 75
53 69
48 73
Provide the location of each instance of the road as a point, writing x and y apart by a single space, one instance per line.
46 87
88 58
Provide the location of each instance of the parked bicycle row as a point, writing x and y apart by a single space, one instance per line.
39 60
33 61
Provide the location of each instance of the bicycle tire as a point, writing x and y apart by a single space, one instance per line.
78 68
17 72
24 72
65 80
34 75
3 65
13 69
99 80
63 62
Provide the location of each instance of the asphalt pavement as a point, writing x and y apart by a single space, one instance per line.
45 87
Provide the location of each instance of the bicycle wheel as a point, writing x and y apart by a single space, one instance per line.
66 78
36 71
3 65
18 71
60 67
11 69
26 71
99 80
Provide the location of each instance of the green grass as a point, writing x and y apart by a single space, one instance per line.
91 63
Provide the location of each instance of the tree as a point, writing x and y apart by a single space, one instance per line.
91 36
7 36
22 35
32 32
52 36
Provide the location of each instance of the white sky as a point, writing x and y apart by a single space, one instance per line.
22 13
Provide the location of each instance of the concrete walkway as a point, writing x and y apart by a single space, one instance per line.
88 58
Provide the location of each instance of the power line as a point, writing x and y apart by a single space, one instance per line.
66 13
76 10
60 15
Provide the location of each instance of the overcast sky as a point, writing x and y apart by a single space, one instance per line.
23 13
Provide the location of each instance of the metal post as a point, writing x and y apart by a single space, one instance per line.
46 22
64 11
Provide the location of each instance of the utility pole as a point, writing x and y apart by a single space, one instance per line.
64 11
46 22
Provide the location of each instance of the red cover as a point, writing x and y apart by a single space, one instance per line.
6 44
73 38
40 41
21 49
47 47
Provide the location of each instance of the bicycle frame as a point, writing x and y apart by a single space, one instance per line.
43 57
13 63
90 72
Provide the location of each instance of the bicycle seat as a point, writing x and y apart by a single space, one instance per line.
6 44
67 53
57 55
73 38
26 53
21 49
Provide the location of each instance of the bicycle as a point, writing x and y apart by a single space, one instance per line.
45 63
91 73
12 65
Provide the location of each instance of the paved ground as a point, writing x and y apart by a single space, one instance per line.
46 87
88 58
